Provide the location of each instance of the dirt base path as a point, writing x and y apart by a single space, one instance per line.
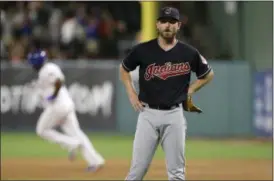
31 169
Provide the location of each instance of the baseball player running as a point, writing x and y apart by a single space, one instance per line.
165 66
60 110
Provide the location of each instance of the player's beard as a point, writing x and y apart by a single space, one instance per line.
168 35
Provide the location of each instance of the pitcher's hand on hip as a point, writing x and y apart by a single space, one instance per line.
135 102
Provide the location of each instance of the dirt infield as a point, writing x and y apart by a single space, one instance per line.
116 169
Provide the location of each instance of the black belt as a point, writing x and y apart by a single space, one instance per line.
161 107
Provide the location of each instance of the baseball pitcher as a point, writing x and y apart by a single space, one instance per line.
165 66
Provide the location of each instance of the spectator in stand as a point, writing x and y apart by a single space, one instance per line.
92 38
68 30
22 30
72 36
107 31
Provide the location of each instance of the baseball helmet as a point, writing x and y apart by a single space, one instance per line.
37 58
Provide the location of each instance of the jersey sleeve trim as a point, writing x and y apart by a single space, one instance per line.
125 67
204 74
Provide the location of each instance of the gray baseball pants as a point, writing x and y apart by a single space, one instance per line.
154 127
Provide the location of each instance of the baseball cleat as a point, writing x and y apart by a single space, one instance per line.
94 168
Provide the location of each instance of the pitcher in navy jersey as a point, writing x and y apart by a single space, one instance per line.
164 67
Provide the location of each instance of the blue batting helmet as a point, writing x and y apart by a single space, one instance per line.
37 58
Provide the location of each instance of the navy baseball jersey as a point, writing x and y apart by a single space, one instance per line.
164 76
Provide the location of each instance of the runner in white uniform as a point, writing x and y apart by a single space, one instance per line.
59 110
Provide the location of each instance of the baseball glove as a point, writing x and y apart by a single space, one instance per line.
190 107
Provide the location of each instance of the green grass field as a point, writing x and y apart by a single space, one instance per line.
112 146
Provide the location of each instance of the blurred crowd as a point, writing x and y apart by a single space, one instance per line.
91 30
67 30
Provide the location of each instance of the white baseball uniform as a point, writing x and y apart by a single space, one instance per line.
61 111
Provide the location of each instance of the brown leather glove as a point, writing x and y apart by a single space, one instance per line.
190 107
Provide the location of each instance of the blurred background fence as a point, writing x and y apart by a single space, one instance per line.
102 103
89 39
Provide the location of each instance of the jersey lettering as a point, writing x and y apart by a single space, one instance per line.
167 70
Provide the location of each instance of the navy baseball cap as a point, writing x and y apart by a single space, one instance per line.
169 12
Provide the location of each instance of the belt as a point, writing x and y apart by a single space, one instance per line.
161 107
